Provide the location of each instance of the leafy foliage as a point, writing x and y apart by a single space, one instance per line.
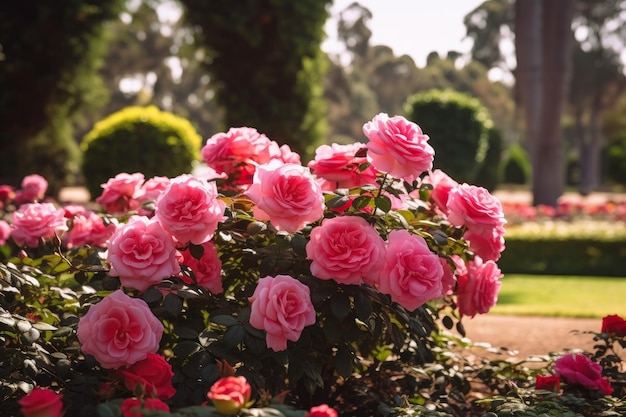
50 58
267 61
517 167
359 335
139 139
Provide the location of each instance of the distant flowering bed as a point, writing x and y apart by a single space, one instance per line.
266 283
565 211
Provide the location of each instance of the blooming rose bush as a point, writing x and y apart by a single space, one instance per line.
571 383
297 281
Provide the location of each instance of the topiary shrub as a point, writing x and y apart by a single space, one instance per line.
517 168
458 126
139 139
489 173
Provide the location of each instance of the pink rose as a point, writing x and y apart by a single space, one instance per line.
7 194
37 220
488 244
41 402
412 274
282 307
190 210
442 186
33 188
477 290
448 279
282 153
578 369
132 407
5 232
154 373
141 253
207 270
398 147
338 167
119 331
322 411
230 394
286 195
152 189
88 229
236 152
347 250
122 192
474 207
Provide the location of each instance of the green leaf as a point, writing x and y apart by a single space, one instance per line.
234 335
343 361
44 326
361 202
186 348
338 201
173 304
298 243
185 332
383 203
224 320
196 250
340 305
362 306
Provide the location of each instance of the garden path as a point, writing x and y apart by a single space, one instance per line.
531 336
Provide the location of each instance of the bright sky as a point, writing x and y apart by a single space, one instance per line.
412 27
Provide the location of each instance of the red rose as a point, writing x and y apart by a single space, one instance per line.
42 402
549 383
230 394
614 324
154 373
132 407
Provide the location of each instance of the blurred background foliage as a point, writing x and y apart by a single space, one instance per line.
259 63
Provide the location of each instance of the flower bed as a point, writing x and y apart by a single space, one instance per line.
267 288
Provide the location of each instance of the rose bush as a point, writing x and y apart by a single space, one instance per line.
577 384
305 281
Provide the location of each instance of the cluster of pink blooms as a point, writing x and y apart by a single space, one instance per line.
566 209
166 215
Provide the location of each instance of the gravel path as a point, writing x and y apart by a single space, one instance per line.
531 335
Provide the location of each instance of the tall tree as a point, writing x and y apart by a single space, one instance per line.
266 63
543 38
598 79
48 72
158 58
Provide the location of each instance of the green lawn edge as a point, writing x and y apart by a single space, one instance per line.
561 296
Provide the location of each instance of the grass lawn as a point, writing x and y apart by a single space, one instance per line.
561 296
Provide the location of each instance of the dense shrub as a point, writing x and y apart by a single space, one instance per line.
616 160
458 126
559 248
139 139
517 168
489 173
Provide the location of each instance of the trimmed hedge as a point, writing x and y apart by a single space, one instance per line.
139 139
565 252
459 127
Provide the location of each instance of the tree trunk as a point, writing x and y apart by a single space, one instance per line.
528 74
590 150
543 44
